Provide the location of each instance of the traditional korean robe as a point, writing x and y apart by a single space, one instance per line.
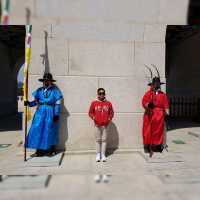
154 119
43 132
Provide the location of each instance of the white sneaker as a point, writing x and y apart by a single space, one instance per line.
103 158
97 178
98 157
105 178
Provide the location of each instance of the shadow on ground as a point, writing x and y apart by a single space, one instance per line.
173 124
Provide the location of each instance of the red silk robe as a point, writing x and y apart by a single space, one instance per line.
154 119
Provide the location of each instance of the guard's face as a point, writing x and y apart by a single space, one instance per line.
156 85
47 83
101 95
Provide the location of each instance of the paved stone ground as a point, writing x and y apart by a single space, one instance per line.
130 173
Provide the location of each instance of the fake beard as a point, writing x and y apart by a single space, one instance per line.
46 85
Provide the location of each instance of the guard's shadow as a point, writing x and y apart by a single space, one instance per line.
112 139
45 55
63 130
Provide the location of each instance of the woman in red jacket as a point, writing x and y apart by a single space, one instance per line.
101 112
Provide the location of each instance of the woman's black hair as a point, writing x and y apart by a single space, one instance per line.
100 89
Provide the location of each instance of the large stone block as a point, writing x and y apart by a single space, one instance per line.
78 92
173 12
77 132
155 33
137 32
38 25
150 53
101 58
127 10
98 30
53 54
136 11
42 25
19 9
69 9
33 84
129 127
124 93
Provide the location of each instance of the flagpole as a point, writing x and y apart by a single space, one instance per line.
26 122
26 73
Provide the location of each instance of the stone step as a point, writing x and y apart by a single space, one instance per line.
45 161
24 182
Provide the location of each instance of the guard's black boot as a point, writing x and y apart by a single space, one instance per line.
52 151
38 153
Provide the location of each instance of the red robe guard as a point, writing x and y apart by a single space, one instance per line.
155 104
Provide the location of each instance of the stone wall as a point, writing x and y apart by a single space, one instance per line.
102 43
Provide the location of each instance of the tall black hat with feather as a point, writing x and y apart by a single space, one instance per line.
155 78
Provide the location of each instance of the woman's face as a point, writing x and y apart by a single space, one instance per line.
101 95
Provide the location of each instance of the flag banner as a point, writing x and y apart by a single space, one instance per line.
5 13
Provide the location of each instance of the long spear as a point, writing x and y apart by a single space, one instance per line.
26 73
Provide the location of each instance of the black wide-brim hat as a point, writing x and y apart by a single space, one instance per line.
154 80
47 77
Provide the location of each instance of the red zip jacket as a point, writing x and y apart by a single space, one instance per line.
101 112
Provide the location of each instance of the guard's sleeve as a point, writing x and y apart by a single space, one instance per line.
57 94
32 103
57 107
58 101
35 94
146 100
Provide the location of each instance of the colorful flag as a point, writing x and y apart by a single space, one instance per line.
5 15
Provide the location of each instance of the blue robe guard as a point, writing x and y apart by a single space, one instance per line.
43 132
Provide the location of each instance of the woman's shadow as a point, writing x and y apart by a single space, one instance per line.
112 139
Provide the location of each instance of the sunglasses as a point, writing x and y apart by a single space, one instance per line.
101 93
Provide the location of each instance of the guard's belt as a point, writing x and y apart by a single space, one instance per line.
48 104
